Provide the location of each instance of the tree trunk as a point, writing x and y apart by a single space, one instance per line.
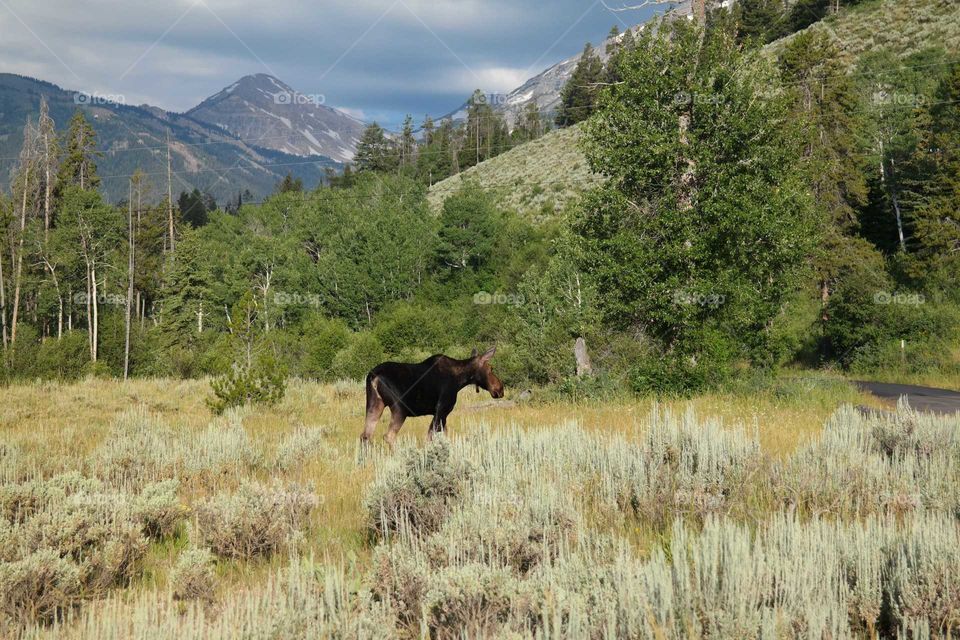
19 263
584 366
170 230
3 304
89 313
47 191
129 301
896 207
95 334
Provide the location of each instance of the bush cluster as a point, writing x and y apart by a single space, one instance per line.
70 537
853 536
257 520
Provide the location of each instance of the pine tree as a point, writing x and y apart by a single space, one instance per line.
289 184
826 101
185 291
933 172
407 145
428 127
579 95
79 165
485 132
759 20
530 124
374 151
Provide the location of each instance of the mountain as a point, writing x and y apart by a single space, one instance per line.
263 110
203 156
544 88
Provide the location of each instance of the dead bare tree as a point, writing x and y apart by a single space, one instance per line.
26 185
49 154
698 8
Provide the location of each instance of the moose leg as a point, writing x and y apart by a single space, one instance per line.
397 418
375 407
439 424
434 428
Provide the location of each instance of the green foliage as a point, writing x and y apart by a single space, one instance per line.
361 354
195 207
700 235
407 327
323 338
868 317
256 376
79 165
468 230
579 96
375 153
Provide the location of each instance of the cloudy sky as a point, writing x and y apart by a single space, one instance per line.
377 59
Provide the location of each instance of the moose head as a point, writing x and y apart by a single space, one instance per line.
482 373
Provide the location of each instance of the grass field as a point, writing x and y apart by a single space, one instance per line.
173 518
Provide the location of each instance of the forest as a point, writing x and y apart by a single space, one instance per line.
760 209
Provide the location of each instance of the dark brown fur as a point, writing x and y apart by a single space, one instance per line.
428 388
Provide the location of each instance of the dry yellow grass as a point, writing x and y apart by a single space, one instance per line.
60 425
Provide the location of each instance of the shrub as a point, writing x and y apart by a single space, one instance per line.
38 588
261 384
862 465
924 579
64 359
399 579
406 326
362 353
255 521
141 449
417 491
506 531
323 338
472 601
193 577
301 445
158 509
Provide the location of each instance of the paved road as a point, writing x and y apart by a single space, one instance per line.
920 398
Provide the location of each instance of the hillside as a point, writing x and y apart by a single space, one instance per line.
553 169
903 26
539 177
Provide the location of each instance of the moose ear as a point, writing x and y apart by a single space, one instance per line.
475 353
486 357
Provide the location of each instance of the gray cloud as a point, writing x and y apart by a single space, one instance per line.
381 58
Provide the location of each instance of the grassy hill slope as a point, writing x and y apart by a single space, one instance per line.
538 178
903 26
542 176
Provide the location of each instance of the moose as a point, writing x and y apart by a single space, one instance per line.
429 388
